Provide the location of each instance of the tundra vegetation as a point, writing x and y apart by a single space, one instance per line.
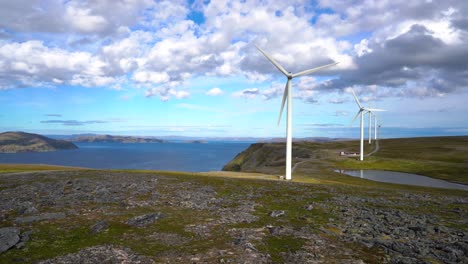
71 215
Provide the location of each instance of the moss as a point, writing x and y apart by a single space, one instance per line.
275 245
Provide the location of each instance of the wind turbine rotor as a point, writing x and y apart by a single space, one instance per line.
285 95
277 65
356 99
313 70
356 116
374 110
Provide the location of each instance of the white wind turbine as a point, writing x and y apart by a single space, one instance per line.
361 112
370 125
378 128
288 94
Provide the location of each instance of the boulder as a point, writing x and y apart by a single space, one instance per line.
144 220
277 213
9 237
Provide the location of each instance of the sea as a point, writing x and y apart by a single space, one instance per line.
174 156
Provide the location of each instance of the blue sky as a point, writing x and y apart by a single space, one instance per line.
190 68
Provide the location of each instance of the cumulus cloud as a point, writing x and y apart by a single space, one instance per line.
166 93
419 54
410 49
32 63
415 63
214 92
87 17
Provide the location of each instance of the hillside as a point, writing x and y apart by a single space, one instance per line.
13 142
439 157
266 157
118 139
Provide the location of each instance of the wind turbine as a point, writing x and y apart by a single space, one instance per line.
378 127
370 127
361 112
288 94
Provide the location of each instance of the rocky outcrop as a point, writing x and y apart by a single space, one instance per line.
144 220
101 254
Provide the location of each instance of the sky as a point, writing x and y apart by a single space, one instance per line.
190 68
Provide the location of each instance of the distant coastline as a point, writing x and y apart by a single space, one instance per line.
117 139
15 142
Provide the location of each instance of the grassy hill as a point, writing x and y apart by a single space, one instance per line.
13 142
439 157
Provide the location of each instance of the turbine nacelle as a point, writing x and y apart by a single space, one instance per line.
290 76
363 109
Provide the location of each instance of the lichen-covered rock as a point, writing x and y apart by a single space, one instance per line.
144 220
9 237
100 226
40 217
101 254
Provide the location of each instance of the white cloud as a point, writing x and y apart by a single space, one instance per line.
151 77
214 92
247 93
82 20
165 93
34 62
169 49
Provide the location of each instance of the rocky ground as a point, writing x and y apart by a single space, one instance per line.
129 217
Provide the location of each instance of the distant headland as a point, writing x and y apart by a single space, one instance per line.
14 142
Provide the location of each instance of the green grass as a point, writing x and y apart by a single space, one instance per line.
9 168
444 158
275 245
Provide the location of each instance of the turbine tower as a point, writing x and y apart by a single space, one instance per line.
370 127
361 112
288 94
375 126
378 127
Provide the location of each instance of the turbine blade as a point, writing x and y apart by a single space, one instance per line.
374 110
285 95
355 98
277 65
313 70
355 117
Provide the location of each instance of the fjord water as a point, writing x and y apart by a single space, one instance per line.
145 156
402 178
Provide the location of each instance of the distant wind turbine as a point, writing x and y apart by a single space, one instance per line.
378 127
288 94
370 127
372 114
375 127
361 112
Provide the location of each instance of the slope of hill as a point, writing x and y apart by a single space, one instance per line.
118 139
439 157
13 142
